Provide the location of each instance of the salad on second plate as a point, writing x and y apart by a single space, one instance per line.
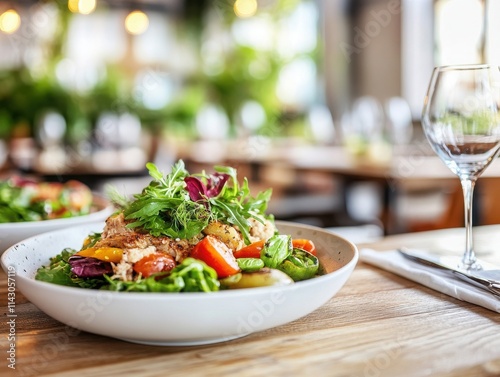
23 200
186 233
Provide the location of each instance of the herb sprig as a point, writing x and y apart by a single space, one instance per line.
181 205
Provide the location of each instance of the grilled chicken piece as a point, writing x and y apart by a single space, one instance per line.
116 234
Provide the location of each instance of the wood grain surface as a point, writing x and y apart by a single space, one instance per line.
379 324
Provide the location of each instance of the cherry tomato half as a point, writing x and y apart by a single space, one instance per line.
153 264
250 251
304 244
217 255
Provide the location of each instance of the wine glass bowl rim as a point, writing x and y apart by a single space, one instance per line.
457 67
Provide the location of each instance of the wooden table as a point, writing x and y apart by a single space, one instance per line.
379 324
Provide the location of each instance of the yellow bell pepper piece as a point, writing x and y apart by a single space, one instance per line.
107 254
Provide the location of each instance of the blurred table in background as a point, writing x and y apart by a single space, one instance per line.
407 171
88 161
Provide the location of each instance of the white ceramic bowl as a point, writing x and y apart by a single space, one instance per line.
178 318
12 233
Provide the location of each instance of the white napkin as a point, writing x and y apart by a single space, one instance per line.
434 278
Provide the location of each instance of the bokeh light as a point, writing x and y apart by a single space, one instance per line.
245 8
10 21
82 6
137 22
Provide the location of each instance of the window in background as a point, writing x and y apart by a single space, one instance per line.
86 53
417 51
459 31
467 32
492 32
445 32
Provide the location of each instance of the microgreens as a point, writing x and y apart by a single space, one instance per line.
181 205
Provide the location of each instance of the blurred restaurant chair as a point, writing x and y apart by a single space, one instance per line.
429 207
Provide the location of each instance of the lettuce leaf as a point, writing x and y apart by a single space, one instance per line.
191 275
59 272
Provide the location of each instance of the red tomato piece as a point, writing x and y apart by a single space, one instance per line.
304 244
217 255
153 264
250 251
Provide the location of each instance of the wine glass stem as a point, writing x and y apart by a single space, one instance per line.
469 257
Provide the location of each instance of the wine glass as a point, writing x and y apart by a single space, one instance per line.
461 120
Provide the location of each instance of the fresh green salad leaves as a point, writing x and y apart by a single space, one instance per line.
16 206
25 200
181 205
59 272
189 276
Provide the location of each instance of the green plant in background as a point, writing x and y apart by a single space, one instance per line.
179 116
476 123
245 73
235 84
24 96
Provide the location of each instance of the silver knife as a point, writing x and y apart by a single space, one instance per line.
488 279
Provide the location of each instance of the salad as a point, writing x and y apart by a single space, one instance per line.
26 200
186 233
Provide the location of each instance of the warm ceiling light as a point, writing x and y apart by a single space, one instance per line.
73 5
86 6
245 8
136 22
10 21
82 6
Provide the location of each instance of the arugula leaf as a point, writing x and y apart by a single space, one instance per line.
231 213
235 204
176 218
154 172
164 207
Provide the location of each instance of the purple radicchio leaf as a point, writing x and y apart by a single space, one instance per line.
196 188
85 267
198 191
216 184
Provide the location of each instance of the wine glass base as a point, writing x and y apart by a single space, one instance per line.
478 265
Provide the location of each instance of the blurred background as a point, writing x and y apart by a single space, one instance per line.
318 99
